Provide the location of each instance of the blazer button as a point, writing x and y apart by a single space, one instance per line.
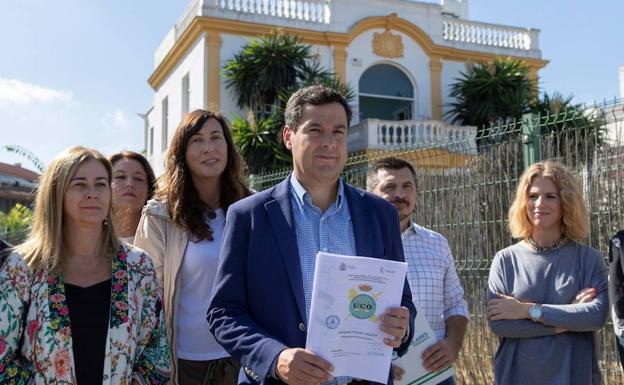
302 327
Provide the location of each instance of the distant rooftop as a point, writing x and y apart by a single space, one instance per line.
16 170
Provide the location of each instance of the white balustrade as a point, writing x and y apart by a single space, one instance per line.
388 134
314 11
464 31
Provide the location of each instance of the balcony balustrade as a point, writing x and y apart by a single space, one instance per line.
376 134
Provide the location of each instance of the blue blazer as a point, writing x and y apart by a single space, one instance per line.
258 304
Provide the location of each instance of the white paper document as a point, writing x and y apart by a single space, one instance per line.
411 362
348 296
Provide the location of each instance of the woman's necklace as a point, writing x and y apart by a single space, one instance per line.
557 245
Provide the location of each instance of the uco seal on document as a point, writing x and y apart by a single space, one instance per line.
348 296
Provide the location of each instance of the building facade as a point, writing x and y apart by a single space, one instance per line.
17 185
399 56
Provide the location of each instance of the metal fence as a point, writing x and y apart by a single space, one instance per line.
468 203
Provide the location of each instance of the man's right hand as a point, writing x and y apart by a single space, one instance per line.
302 367
397 372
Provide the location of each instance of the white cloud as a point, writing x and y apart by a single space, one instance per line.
47 129
16 91
116 121
119 131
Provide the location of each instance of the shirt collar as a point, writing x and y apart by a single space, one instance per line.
303 196
413 229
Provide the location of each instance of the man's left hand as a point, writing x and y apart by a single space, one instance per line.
395 321
440 355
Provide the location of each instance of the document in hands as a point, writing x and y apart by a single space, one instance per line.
348 296
411 362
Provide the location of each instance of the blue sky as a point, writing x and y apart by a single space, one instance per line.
582 39
75 71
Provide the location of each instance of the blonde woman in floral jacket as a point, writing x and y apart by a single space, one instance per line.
76 306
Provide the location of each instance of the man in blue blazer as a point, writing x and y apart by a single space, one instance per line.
262 291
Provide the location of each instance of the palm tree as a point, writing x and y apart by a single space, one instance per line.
553 104
491 93
19 150
311 74
263 75
265 66
568 129
259 143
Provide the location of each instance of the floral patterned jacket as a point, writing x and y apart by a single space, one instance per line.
35 333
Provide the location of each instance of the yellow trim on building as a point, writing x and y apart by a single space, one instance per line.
426 158
203 24
213 60
435 74
340 62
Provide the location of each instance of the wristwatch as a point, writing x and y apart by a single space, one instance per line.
535 312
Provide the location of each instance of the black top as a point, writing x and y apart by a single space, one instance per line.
89 314
616 273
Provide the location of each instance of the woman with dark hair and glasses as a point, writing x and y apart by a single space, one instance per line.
182 230
548 292
133 184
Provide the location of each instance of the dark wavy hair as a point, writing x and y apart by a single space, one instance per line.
151 179
176 186
315 95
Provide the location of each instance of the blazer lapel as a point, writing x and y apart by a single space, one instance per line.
280 215
362 219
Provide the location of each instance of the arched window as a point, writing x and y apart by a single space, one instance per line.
386 93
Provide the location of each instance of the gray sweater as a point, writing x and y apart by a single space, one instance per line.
530 353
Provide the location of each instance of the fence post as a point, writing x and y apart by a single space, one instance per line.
531 149
252 182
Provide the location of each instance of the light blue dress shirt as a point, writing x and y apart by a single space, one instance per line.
330 231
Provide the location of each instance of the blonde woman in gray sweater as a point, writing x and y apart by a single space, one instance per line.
547 293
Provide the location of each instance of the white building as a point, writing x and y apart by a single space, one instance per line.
400 57
613 114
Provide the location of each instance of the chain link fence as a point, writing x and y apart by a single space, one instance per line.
465 187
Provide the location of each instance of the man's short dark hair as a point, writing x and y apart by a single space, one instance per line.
387 163
314 95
